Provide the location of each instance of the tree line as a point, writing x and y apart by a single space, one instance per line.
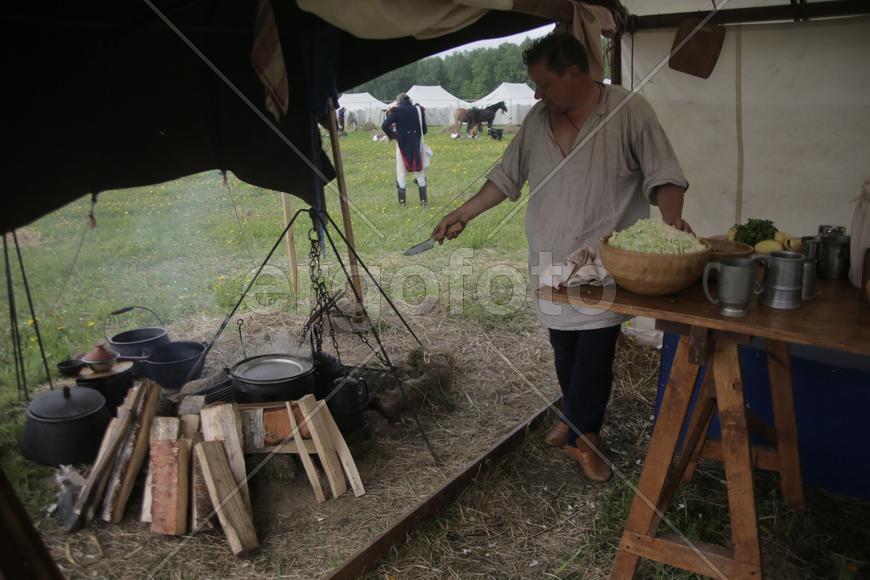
468 75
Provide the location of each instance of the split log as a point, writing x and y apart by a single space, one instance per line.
92 492
253 429
189 425
132 454
311 409
223 423
170 486
191 405
169 470
232 510
201 517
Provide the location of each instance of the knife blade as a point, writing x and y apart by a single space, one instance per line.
430 243
420 248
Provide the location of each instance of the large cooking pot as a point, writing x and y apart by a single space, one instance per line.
272 377
173 364
65 426
113 385
136 343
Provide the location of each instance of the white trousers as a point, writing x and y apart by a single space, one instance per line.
402 173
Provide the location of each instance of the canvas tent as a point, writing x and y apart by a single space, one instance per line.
780 130
518 97
438 102
367 108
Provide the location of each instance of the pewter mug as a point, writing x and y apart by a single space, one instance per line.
736 285
786 279
834 256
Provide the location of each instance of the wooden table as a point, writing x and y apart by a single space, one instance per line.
838 318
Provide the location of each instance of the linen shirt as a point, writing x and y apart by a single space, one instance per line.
608 184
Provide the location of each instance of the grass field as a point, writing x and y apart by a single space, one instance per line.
183 248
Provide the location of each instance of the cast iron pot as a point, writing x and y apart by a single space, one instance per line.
65 426
113 386
349 400
272 377
135 344
172 364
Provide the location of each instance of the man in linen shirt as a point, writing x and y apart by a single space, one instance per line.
594 160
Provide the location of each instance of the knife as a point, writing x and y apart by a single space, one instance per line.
430 243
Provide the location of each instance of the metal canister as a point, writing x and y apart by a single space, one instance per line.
828 230
808 287
783 280
810 246
834 257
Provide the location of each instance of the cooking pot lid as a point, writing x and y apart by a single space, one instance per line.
271 368
66 403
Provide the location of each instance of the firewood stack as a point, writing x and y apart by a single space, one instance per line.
196 474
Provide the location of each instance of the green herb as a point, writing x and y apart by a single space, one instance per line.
754 231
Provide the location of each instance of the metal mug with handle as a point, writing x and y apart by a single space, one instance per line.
736 285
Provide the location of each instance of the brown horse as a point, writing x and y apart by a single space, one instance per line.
460 116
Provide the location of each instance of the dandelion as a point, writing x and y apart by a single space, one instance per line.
29 322
91 323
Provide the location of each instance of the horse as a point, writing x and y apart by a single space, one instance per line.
460 116
485 115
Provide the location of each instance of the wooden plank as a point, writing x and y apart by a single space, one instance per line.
131 456
710 560
310 469
223 423
191 405
838 318
662 448
369 557
311 408
782 396
278 425
763 457
170 486
289 448
704 408
253 429
232 510
344 453
736 454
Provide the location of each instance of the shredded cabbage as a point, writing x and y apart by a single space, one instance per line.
655 237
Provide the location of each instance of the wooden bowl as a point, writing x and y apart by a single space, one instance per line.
724 248
653 274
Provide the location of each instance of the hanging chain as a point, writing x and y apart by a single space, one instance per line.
323 302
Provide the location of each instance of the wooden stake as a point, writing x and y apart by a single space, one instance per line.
345 205
310 469
232 510
291 243
223 423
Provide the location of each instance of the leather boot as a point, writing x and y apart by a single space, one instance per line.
592 466
557 436
401 191
424 199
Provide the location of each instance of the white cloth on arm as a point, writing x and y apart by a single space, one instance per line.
608 185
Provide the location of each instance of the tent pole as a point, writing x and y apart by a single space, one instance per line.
291 244
345 206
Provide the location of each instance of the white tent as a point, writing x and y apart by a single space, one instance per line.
780 130
439 104
518 97
364 106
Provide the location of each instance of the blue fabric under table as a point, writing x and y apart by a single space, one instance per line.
832 408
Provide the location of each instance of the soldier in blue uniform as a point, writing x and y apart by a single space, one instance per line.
406 123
